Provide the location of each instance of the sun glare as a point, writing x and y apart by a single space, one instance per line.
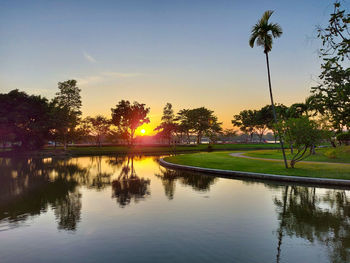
143 131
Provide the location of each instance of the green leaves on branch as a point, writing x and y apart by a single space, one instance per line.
332 95
303 134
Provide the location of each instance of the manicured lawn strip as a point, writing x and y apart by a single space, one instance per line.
342 155
222 160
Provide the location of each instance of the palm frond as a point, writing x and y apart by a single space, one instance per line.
252 38
263 32
266 16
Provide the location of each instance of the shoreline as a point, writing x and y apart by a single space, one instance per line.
259 176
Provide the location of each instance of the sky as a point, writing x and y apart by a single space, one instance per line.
189 53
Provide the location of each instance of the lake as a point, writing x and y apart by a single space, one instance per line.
130 209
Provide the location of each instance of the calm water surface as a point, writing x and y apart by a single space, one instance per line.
129 209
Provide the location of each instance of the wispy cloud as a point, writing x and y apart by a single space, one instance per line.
89 57
121 74
106 76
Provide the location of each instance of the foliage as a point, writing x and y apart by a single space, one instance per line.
263 32
298 110
97 127
168 126
200 121
255 121
128 117
303 133
24 119
344 138
332 95
245 120
66 111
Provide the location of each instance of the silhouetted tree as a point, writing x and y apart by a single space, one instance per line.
128 117
245 121
97 127
66 107
167 126
24 119
184 126
199 121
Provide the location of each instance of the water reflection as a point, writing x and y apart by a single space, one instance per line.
128 186
30 187
33 187
307 213
198 182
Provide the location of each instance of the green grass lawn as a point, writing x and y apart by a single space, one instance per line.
222 160
329 154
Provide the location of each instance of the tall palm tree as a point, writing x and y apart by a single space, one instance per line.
263 33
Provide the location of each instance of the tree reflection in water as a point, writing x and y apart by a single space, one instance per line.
30 186
128 186
198 182
322 218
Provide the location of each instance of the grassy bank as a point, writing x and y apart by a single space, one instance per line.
109 150
330 154
222 160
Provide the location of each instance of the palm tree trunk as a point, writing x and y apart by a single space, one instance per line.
274 110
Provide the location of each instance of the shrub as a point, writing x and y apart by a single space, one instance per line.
344 138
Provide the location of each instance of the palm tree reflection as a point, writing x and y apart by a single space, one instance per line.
317 217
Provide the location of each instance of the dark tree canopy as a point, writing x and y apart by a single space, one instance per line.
66 111
200 121
167 127
24 119
97 127
128 117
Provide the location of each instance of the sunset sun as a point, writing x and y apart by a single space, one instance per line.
143 131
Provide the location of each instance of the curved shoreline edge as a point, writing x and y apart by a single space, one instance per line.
260 176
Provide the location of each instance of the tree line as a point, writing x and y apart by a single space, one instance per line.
29 121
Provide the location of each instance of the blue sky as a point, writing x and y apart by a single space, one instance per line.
189 53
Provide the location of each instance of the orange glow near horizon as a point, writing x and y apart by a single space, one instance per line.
144 130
